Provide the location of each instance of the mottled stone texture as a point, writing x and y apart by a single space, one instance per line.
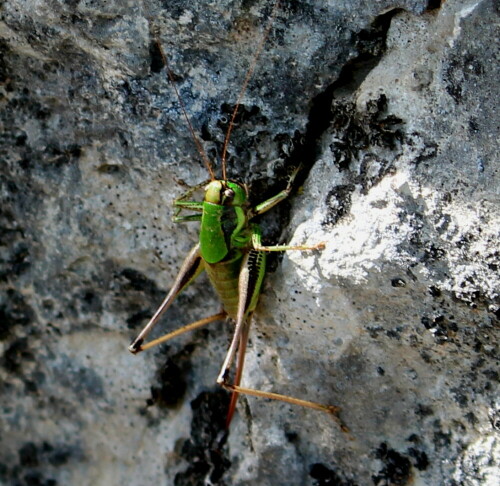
391 107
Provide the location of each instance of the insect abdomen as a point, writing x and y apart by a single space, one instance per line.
224 278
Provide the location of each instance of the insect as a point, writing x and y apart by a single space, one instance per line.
230 251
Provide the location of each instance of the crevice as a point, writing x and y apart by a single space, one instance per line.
434 4
371 45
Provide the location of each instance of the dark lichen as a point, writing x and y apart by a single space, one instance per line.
324 476
397 469
205 450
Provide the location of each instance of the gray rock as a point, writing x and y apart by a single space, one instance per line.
390 107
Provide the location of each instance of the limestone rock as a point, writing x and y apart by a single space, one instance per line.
390 107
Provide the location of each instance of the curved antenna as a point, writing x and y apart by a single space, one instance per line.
197 142
244 86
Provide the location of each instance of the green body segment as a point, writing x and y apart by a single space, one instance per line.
224 276
226 245
223 220
213 245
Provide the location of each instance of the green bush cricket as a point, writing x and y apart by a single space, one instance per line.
231 252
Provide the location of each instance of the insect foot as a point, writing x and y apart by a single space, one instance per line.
136 346
319 246
334 412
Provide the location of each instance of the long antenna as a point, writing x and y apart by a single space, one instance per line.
197 142
244 86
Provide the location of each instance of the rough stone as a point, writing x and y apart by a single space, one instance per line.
390 107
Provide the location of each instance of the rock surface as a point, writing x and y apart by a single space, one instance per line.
391 109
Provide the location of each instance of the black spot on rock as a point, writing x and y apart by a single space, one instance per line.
205 450
396 470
